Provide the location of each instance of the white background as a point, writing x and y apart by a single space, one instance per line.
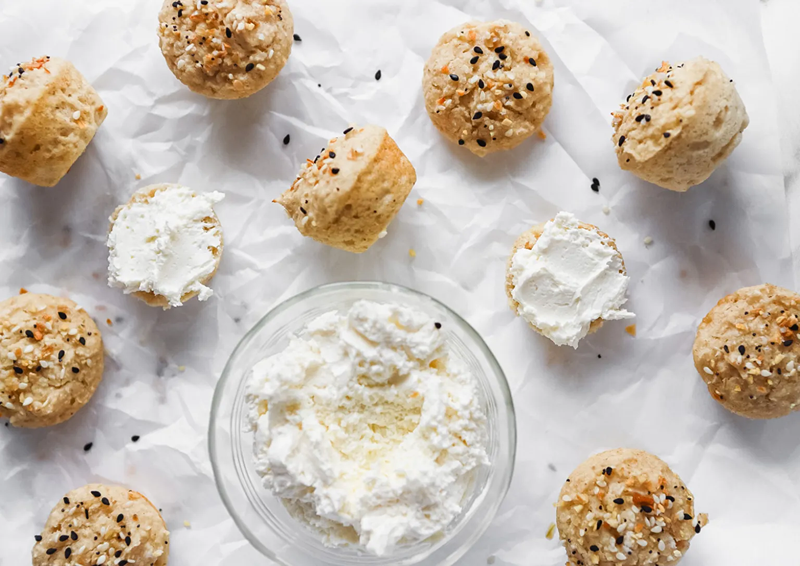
161 367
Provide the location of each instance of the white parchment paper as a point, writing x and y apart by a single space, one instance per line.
161 367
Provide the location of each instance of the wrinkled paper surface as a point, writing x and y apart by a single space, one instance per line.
161 367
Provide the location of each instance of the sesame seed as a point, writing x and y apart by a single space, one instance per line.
788 343
62 538
460 142
250 67
347 131
647 509
75 370
532 61
477 116
481 84
287 139
474 60
481 143
742 350
67 552
657 92
297 37
437 324
62 316
73 535
529 86
228 33
51 551
708 371
86 448
621 140
518 96
66 500
96 493
120 517
378 75
105 501
619 501
454 77
496 65
38 538
478 50
76 115
712 224
667 134
29 333
594 548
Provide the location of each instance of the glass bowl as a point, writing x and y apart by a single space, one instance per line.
262 517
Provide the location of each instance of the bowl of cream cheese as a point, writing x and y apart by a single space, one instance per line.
362 423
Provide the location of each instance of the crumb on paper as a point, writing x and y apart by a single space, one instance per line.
491 559
22 290
606 210
648 240
138 177
108 322
541 134
631 329
412 253
187 524
181 368
420 201
550 531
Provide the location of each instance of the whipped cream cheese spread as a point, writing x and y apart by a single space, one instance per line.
368 427
164 243
571 277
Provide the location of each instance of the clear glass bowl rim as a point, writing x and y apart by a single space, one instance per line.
506 399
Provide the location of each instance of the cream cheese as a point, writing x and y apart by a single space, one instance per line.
368 427
571 277
164 244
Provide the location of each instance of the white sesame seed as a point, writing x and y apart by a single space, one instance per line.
621 528
180 64
621 557
708 371
27 401
765 373
641 542
76 115
12 357
606 210
261 67
28 349
661 546
270 54
73 331
648 240
656 529
23 385
566 498
101 560
9 405
382 234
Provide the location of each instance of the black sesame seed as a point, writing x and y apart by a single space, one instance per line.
62 538
532 61
460 142
794 328
667 134
477 116
481 84
73 535
86 448
67 552
481 143
594 548
228 33
687 517
697 528
51 551
741 350
29 333
453 77
335 171
478 50
2 141
621 140
599 524
437 324
378 75
619 501
86 512
669 497
496 65
609 470
128 541
17 370
119 518
518 96
527 34
250 67
105 501
62 316
474 60
75 370
500 49
61 354
287 139
135 438
82 340
117 554
640 117
297 37
503 56
123 562
712 224
657 92
727 350
620 540
669 84
647 509
788 343
645 99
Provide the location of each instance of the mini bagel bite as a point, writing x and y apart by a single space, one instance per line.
626 507
349 194
680 124
51 359
49 113
103 524
223 49
565 278
488 86
747 350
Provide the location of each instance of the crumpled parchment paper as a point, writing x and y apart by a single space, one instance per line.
161 367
